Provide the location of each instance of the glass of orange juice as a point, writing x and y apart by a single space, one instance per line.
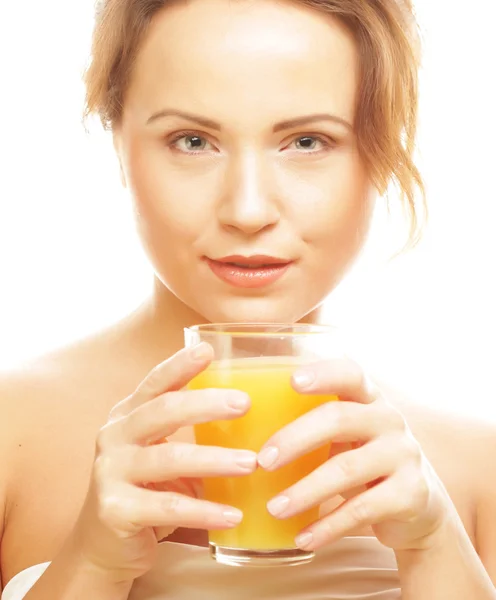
259 360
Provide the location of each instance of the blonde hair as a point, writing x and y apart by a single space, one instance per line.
388 42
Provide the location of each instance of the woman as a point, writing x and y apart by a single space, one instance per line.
252 133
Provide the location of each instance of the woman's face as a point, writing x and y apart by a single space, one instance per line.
237 142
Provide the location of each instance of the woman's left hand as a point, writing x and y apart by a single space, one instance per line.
404 501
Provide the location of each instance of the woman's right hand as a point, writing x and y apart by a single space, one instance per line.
116 529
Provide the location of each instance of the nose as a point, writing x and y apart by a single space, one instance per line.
247 204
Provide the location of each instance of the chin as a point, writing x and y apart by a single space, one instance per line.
255 310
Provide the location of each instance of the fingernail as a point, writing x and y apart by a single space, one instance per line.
304 540
233 516
238 401
268 457
246 459
201 352
278 505
303 379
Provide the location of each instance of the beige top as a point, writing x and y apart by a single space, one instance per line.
355 568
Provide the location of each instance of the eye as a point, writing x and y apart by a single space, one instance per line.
189 143
311 143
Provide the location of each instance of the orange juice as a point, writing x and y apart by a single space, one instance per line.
274 404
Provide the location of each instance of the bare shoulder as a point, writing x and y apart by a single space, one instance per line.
78 375
37 400
464 437
32 392
26 394
461 447
32 398
73 387
51 409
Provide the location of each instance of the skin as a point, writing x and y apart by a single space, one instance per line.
261 192
249 190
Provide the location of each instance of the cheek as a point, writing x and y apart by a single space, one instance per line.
169 206
333 205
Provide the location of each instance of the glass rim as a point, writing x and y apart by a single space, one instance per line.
262 329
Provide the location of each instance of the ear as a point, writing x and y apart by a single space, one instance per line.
117 141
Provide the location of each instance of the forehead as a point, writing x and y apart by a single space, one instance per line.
246 55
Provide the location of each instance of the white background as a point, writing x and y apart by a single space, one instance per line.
70 261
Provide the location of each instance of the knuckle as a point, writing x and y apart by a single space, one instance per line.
371 388
163 408
173 406
105 438
359 511
101 468
411 449
178 454
110 507
130 426
171 505
407 509
342 417
356 375
119 409
212 401
392 417
347 466
105 468
131 461
114 464
153 380
327 529
168 401
421 494
412 495
158 461
398 420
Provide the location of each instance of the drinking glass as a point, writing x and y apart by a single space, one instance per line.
259 360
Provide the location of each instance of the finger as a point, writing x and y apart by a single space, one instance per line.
166 462
342 377
342 473
182 485
131 508
170 375
390 499
167 413
333 421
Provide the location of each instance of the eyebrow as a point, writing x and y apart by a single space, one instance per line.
288 124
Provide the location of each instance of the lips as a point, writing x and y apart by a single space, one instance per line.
257 260
249 271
